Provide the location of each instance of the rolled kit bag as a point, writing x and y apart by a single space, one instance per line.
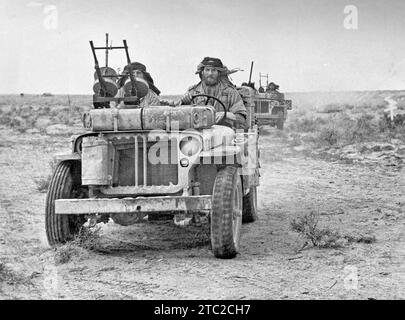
150 118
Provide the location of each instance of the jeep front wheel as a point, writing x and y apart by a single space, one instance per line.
61 228
226 215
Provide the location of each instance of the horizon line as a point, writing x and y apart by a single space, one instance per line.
177 94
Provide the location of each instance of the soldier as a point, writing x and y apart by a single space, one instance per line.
272 87
139 71
215 82
250 84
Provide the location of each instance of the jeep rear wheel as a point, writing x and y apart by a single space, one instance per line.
280 120
250 206
226 215
61 228
280 124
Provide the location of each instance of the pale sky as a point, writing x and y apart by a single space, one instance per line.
303 45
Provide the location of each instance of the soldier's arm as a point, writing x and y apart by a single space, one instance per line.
185 99
174 103
151 99
237 107
154 99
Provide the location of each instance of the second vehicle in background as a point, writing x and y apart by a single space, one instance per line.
270 105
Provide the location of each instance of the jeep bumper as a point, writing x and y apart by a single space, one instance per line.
133 205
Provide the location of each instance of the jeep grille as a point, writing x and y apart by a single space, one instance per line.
133 168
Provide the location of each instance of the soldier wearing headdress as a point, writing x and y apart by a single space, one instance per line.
139 71
272 87
215 82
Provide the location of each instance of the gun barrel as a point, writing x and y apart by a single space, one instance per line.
106 50
98 71
250 76
126 51
94 52
131 75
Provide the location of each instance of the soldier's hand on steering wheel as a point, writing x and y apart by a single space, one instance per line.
219 115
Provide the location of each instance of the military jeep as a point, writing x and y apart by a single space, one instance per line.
135 164
271 107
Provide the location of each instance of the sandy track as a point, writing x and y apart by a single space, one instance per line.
161 261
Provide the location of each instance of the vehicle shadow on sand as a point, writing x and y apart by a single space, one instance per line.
152 236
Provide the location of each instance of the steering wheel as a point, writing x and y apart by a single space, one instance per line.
208 99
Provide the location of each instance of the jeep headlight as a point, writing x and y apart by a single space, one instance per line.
189 146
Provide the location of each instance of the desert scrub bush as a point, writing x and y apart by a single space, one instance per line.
307 227
392 127
398 133
331 108
360 238
43 183
299 112
30 122
363 129
5 119
87 239
19 118
329 135
11 277
306 124
65 117
295 139
18 123
341 130
78 111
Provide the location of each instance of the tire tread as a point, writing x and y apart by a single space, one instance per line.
221 222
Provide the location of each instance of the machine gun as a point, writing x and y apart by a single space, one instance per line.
250 83
250 75
131 74
106 80
103 87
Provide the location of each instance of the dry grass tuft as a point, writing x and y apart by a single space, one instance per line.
341 129
88 239
307 227
339 119
37 112
11 277
43 183
361 238
333 108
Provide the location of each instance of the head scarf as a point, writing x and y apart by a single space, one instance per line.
211 62
276 86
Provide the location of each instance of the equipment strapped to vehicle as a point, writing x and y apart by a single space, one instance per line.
150 118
